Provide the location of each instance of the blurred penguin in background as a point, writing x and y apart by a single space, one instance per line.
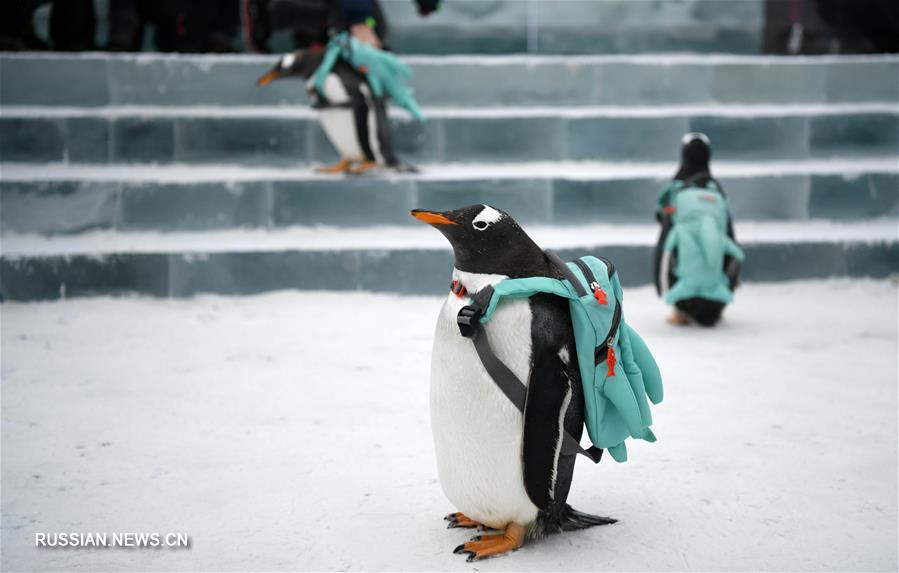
697 258
350 80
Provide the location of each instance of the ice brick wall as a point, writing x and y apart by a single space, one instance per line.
172 175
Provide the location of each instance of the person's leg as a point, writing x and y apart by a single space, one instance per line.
72 25
257 26
126 26
224 27
17 26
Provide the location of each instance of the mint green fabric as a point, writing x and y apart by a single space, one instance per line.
616 406
384 71
699 233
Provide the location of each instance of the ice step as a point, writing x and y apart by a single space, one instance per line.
245 262
655 79
54 199
272 135
387 237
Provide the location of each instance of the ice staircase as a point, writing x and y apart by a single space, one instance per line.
176 175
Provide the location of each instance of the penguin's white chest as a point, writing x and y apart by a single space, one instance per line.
477 430
339 123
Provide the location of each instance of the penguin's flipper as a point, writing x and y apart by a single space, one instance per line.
548 392
484 546
459 519
555 404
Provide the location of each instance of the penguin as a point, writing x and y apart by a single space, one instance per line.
503 469
694 171
354 121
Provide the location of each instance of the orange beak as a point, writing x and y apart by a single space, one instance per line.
268 78
431 218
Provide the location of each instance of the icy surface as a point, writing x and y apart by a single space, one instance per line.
664 58
294 111
414 237
290 431
575 170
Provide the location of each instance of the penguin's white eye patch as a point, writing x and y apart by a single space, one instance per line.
287 61
486 217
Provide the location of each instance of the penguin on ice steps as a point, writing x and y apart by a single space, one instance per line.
353 119
501 468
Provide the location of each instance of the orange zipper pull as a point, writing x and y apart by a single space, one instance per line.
599 294
611 361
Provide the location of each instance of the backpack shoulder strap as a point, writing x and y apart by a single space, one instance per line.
695 177
560 265
470 326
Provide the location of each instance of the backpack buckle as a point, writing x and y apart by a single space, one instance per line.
467 319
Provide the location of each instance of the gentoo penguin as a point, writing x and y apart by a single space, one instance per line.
500 468
693 171
354 121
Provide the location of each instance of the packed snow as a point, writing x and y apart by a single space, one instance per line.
574 112
98 243
848 167
291 431
654 59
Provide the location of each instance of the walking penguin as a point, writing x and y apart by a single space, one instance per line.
349 83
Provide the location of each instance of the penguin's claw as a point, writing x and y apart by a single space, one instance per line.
459 519
484 546
342 166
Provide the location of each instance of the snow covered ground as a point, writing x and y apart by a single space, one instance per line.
290 431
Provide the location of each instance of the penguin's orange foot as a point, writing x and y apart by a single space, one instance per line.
678 319
342 166
459 519
484 546
363 167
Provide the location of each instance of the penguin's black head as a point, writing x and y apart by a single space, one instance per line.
487 240
695 154
301 63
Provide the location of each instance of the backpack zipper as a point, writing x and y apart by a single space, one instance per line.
598 293
588 273
602 351
609 266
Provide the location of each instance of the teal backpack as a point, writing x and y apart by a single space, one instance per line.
699 234
384 72
617 370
